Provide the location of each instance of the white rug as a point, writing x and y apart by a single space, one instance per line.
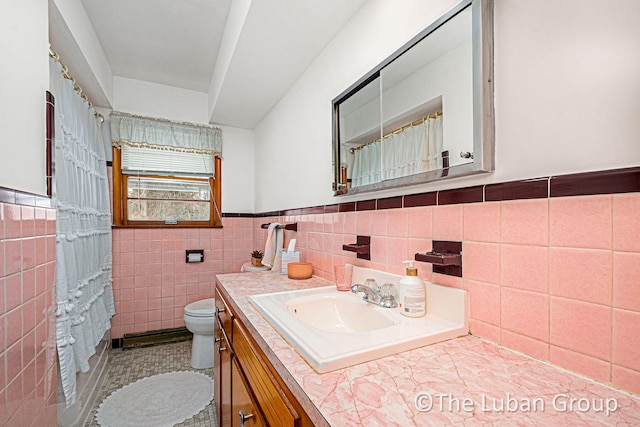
160 400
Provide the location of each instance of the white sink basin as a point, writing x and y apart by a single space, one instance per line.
339 313
332 330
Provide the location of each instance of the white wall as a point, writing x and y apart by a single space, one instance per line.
161 101
567 87
567 95
24 79
167 102
73 38
237 170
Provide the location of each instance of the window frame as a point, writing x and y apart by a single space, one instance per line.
120 198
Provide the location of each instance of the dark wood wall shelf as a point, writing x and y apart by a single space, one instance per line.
446 257
438 258
362 247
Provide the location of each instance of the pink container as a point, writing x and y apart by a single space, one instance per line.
343 276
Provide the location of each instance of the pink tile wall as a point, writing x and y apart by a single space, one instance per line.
152 283
557 279
28 378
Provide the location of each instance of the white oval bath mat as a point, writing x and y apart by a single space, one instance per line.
160 400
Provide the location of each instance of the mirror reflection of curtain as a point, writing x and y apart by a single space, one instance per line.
84 294
366 165
431 145
412 150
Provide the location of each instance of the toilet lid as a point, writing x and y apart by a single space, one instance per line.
247 267
201 308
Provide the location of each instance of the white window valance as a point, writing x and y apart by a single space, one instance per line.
153 133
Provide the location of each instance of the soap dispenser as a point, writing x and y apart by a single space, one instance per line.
412 290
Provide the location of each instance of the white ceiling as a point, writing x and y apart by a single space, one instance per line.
176 43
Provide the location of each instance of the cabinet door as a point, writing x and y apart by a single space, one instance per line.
224 313
222 355
217 384
244 412
223 399
272 399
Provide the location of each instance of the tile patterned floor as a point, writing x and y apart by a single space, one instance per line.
131 365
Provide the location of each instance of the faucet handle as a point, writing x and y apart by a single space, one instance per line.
388 295
388 290
371 283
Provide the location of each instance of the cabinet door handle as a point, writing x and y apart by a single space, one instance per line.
221 349
220 310
217 339
244 417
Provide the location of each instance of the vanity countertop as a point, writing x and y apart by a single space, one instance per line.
464 381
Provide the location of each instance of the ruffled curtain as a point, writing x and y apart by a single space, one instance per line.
366 165
431 144
414 149
148 132
84 294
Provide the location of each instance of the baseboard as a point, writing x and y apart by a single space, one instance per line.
149 338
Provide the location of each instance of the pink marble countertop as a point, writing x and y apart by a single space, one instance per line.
466 381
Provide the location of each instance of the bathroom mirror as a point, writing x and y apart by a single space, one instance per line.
423 114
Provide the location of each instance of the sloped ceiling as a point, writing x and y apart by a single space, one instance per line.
179 44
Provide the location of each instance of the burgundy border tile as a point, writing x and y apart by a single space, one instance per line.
347 207
296 212
25 199
603 182
537 188
50 142
366 205
7 196
389 203
241 215
44 202
331 208
313 210
461 195
421 199
15 197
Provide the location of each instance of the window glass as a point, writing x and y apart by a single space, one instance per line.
166 199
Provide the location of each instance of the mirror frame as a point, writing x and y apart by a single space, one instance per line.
483 103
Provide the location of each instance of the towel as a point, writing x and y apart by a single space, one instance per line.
272 257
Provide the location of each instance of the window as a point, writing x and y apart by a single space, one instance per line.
156 185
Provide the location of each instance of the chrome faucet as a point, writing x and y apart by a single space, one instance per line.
383 298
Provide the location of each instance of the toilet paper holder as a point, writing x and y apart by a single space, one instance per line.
195 255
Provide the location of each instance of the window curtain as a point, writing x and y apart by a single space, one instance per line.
366 165
153 133
413 149
84 294
431 144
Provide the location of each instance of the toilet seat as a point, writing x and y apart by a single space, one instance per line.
201 308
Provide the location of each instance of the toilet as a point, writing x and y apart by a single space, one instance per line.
247 267
199 319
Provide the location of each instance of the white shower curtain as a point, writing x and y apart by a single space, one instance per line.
415 149
84 294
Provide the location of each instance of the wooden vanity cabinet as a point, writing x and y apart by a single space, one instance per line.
247 387
222 355
244 410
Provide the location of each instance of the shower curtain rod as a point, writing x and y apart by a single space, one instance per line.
400 129
76 86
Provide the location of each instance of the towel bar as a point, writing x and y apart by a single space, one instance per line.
292 226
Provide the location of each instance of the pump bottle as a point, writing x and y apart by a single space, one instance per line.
412 291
